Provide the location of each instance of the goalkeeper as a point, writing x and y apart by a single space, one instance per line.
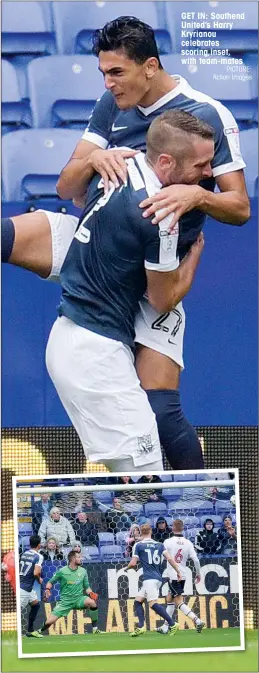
74 585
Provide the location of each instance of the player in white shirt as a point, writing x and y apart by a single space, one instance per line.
180 549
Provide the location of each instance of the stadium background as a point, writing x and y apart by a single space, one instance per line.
220 360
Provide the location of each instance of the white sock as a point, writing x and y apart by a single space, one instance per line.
189 613
170 608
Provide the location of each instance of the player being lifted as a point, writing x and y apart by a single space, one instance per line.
180 550
150 555
30 570
73 586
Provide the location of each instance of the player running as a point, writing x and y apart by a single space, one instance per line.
73 585
150 555
180 550
30 570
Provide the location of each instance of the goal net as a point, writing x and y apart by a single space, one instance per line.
102 521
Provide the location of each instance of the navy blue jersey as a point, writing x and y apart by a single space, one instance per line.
103 276
28 560
111 127
150 555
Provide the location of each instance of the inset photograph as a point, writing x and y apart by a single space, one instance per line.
113 564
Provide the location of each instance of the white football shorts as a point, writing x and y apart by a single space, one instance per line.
98 386
163 333
150 590
27 597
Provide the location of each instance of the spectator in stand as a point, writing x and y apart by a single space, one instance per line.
78 548
86 532
117 519
134 536
40 510
227 536
87 503
58 526
162 531
127 495
207 541
52 551
150 495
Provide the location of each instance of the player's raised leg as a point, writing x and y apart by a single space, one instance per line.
37 241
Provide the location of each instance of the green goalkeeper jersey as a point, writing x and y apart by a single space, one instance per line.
72 583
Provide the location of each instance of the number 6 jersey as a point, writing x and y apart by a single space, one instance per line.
180 550
29 559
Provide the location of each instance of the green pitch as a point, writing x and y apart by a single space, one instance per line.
218 662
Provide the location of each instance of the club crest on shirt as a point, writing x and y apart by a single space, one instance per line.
145 444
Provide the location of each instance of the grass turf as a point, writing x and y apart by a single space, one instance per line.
123 641
147 663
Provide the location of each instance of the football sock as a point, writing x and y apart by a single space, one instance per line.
189 613
139 612
93 614
170 609
161 611
177 436
32 616
44 626
7 237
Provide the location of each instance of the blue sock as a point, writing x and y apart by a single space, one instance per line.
161 611
177 436
139 612
32 616
7 237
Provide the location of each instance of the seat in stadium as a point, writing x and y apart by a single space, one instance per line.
171 494
243 36
112 553
191 522
27 29
103 496
75 25
185 476
152 508
16 112
105 539
63 90
25 528
121 537
249 149
201 506
239 97
164 477
32 161
222 507
92 554
25 542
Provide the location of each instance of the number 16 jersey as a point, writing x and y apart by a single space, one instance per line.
150 555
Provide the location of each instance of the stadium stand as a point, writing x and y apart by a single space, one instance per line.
191 522
69 17
32 161
16 112
93 553
243 36
171 494
76 83
105 539
112 553
152 508
26 31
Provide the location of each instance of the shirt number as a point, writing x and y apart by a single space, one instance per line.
25 566
153 558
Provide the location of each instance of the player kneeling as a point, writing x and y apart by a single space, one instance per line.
149 554
74 584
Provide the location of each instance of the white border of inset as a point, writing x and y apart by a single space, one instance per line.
35 478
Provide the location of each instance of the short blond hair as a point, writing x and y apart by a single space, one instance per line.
145 529
178 525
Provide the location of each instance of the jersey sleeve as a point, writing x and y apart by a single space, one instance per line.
56 577
160 246
227 155
194 557
39 560
98 129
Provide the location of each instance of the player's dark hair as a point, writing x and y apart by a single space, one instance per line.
170 133
34 541
127 33
71 555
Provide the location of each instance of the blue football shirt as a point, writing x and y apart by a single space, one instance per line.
111 127
150 556
104 274
28 560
